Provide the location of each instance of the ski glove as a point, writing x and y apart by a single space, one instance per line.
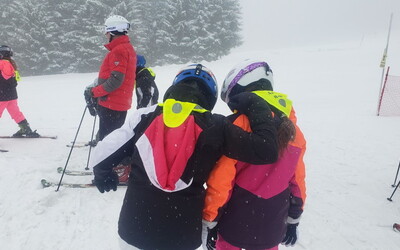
291 235
107 182
91 102
209 235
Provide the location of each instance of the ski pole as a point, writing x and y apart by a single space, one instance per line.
397 173
390 198
91 144
72 147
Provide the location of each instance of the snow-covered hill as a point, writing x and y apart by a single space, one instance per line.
351 159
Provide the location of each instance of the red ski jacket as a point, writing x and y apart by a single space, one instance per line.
117 73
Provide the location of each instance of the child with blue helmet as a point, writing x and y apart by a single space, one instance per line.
146 88
174 146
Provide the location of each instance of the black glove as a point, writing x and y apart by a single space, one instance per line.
291 235
212 238
106 182
91 102
248 103
255 108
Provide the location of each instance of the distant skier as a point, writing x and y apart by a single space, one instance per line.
9 77
146 88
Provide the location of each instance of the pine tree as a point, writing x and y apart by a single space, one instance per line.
22 32
63 37
160 33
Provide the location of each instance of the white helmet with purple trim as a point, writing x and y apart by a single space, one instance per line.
245 73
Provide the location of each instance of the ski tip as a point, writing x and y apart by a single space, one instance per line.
48 137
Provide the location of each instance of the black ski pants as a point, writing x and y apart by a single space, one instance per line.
109 120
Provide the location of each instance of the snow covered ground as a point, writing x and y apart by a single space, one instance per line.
351 159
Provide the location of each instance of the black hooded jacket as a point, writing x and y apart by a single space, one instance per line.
8 87
146 88
162 208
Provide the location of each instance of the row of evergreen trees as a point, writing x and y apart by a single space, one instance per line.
50 37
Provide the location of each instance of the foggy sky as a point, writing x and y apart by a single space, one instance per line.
287 23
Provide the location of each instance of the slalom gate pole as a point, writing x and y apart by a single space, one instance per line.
397 173
383 62
91 144
72 147
381 92
394 191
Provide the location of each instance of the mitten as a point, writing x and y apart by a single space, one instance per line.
291 233
209 235
106 182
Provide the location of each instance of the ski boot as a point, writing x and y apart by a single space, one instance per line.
25 130
122 172
93 143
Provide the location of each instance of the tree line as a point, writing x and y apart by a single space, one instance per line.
52 37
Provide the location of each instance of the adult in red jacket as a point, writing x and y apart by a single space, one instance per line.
115 85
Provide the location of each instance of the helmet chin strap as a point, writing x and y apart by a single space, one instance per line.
111 37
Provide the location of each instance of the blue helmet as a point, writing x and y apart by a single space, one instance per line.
140 61
198 72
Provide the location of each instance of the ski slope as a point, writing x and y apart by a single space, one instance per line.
351 159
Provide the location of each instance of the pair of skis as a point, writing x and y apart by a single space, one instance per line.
92 143
24 137
46 183
79 145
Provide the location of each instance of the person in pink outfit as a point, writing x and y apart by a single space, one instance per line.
257 206
8 93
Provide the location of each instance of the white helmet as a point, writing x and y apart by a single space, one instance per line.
117 23
245 73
